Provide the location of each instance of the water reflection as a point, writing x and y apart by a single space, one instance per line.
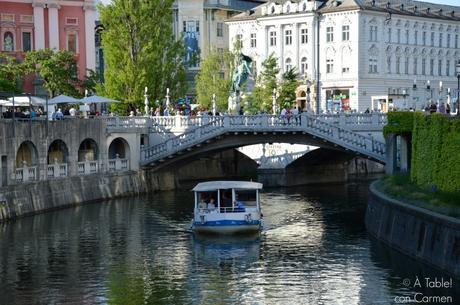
314 250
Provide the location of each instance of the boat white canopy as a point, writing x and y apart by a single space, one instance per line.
216 185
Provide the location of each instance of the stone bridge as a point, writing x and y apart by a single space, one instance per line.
33 150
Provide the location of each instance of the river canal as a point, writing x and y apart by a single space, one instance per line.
314 250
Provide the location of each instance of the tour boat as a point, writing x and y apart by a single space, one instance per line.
227 207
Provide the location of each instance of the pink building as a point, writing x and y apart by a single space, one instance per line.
57 24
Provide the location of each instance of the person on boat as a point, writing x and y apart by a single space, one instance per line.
202 205
211 205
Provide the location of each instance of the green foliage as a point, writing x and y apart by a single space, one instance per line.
10 73
261 97
58 70
289 84
401 187
435 152
399 123
141 50
213 78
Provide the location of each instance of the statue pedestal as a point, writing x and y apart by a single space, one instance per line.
233 104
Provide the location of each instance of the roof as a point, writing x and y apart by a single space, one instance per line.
215 185
399 7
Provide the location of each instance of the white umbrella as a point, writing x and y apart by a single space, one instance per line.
63 99
95 99
24 101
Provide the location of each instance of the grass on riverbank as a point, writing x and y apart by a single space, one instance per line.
400 187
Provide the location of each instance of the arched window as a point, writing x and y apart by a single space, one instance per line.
288 65
288 9
72 42
8 42
304 7
273 9
303 66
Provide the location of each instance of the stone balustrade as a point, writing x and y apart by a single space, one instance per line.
88 167
57 170
26 173
319 126
118 164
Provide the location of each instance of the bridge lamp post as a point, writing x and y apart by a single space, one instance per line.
457 69
213 104
440 92
167 98
274 101
404 92
428 88
146 102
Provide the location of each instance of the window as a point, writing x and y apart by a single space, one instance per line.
432 39
303 36
273 38
288 65
220 29
407 36
253 40
220 51
389 35
345 32
303 66
398 65
416 37
373 64
440 40
431 66
329 34
398 35
26 42
72 42
197 26
424 38
448 40
406 65
330 65
456 41
415 66
447 67
389 64
345 69
288 37
440 67
8 42
373 33
423 66
184 26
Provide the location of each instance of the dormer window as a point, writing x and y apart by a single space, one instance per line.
273 10
288 9
304 7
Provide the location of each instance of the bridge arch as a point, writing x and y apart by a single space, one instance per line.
26 155
119 147
88 150
58 152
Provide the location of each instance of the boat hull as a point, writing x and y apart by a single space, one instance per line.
227 227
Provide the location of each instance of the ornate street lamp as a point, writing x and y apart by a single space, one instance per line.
457 69
146 102
274 101
214 104
404 92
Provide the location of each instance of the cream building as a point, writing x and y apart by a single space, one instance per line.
357 54
201 22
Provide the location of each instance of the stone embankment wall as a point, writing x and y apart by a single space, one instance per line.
39 196
430 237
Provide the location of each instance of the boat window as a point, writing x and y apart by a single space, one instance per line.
226 198
247 197
207 196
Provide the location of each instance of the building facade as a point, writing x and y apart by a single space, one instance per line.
27 25
201 24
357 54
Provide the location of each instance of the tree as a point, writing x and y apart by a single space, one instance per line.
289 84
141 50
214 78
10 73
58 69
261 97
